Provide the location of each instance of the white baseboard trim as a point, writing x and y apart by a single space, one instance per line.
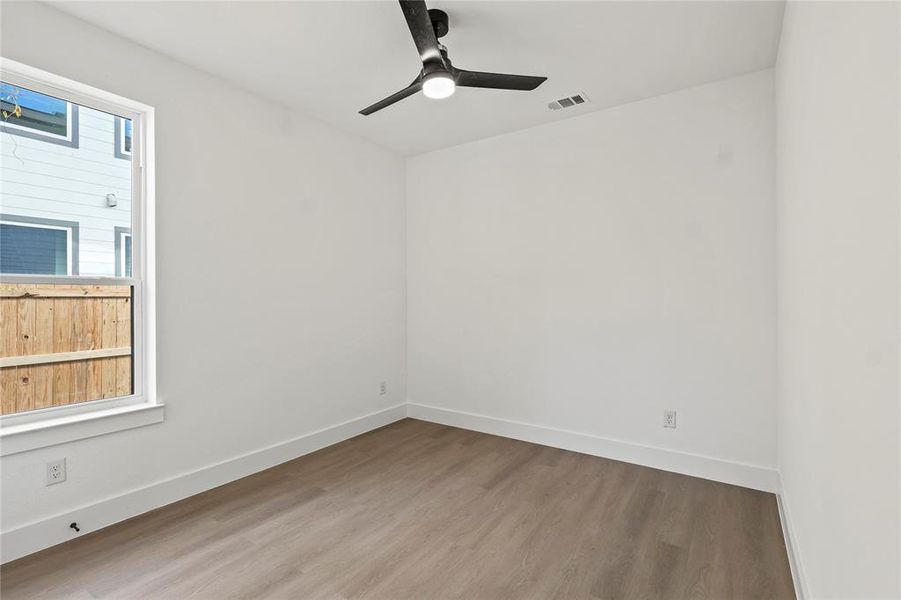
38 535
745 475
791 547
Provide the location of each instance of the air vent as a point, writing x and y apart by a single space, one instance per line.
568 102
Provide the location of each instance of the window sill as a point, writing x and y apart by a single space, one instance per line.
52 431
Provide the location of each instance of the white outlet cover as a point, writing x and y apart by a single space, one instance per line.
56 471
669 419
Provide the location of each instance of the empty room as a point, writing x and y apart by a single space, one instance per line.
474 299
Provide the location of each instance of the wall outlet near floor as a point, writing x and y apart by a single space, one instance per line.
383 388
669 418
56 471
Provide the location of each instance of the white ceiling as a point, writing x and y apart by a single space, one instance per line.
330 59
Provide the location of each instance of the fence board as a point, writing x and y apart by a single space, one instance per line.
123 338
108 340
9 326
42 344
24 346
9 329
94 389
9 388
80 315
63 336
58 357
23 290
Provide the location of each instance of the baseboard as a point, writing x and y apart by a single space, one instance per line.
745 475
791 547
38 535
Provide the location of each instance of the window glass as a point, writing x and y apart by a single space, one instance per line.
33 250
32 110
86 184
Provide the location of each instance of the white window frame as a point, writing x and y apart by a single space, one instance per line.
71 130
68 230
49 426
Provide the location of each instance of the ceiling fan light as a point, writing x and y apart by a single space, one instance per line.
438 85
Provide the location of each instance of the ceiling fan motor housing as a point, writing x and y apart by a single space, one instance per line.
439 21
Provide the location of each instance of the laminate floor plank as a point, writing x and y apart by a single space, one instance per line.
418 510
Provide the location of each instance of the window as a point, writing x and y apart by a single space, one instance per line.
123 138
35 246
31 114
76 262
123 251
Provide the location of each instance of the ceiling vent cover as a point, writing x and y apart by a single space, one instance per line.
568 102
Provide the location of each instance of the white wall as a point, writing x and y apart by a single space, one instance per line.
838 135
272 229
586 274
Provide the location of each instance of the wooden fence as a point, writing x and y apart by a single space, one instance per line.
63 344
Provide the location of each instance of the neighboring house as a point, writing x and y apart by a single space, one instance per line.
65 195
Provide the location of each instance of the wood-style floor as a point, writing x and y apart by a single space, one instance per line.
419 510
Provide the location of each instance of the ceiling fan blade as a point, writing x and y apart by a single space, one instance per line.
395 97
417 15
498 81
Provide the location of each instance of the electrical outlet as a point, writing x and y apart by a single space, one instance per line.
56 471
669 418
383 388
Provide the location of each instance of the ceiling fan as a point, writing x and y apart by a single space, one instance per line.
438 77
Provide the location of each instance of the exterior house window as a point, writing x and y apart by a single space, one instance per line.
35 246
123 251
76 303
123 138
31 114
